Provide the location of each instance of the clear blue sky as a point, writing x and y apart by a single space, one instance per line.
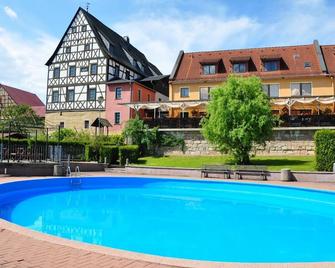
30 30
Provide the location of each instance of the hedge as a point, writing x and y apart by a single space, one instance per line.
324 149
111 153
130 152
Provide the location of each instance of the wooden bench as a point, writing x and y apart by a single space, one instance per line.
216 169
251 170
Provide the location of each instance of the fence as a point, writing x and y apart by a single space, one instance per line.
25 146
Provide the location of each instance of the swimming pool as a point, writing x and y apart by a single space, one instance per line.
201 220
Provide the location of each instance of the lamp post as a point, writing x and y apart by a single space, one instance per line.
100 101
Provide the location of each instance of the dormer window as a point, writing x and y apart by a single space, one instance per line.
208 69
111 48
240 67
271 65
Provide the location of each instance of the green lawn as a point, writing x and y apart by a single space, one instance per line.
274 163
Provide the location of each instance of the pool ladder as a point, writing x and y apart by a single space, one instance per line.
74 181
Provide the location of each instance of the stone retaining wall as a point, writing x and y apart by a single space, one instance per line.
285 141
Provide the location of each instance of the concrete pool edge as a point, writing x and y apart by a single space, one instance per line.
150 259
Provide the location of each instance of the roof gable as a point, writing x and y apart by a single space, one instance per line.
104 37
20 96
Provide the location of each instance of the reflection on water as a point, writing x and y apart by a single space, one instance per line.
188 222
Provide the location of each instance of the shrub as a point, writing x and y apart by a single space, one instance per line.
130 152
91 153
111 153
324 149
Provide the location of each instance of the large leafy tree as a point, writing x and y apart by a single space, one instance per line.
239 117
19 118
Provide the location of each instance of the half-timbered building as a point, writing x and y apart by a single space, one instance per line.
88 57
13 96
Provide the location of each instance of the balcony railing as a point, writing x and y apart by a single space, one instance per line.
307 120
193 122
285 121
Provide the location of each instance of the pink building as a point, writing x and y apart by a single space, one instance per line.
125 91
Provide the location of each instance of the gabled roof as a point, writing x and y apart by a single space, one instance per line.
101 122
120 45
20 96
292 59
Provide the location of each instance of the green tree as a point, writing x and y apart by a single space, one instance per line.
239 116
20 118
136 132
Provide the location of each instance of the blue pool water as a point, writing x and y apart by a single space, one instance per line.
233 222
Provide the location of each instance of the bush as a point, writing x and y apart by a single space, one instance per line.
324 149
111 153
130 152
91 153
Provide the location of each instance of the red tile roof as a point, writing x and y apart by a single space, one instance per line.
293 59
20 96
329 56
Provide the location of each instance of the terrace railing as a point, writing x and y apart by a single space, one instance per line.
307 120
193 122
285 121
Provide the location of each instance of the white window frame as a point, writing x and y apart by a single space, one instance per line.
117 112
268 93
301 82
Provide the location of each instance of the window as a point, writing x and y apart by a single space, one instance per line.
208 69
84 28
94 69
307 64
84 69
74 29
70 95
184 115
149 97
56 73
271 65
139 95
86 124
61 124
91 94
272 90
127 75
184 92
204 93
240 67
68 50
118 93
72 71
301 89
87 47
117 71
117 118
55 96
111 48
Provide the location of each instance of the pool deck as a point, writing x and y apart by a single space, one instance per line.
21 247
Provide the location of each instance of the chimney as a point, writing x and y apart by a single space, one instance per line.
126 38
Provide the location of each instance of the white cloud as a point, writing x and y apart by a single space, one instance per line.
10 12
22 62
160 39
